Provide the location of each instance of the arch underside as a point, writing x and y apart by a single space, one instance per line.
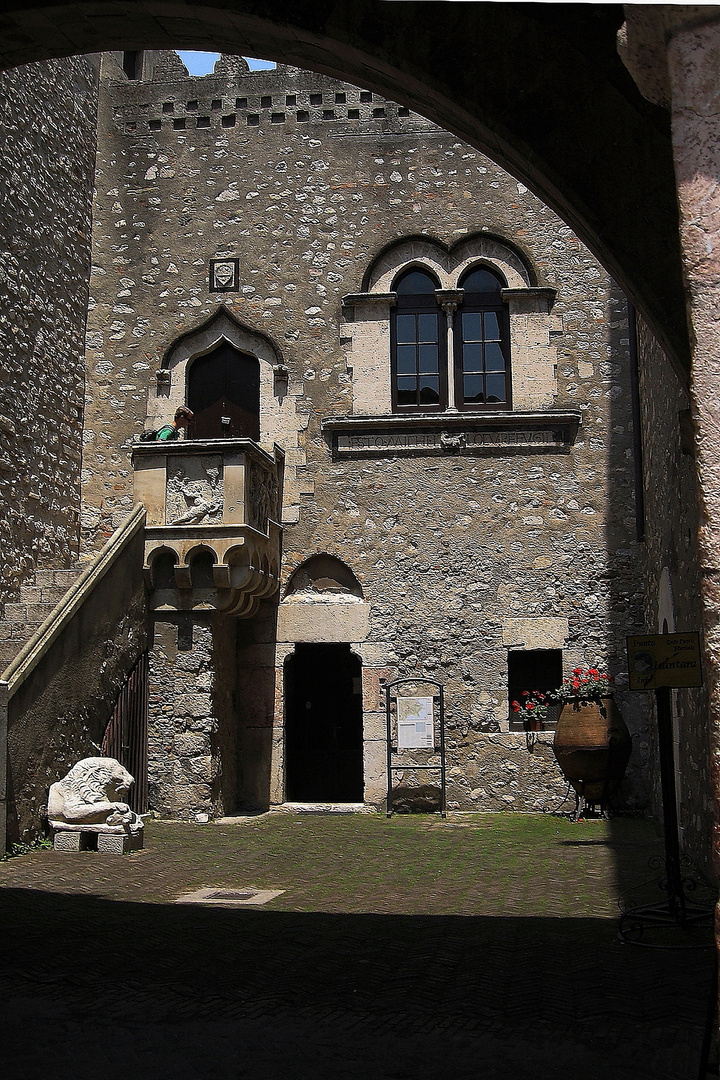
540 88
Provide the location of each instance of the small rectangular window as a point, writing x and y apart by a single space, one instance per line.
328 114
241 103
266 103
203 121
179 124
253 119
191 106
216 104
533 669
365 95
154 125
378 114
353 114
229 121
340 99
316 99
403 110
168 106
291 99
303 116
277 118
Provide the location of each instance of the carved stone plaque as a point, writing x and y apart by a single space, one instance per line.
194 490
224 275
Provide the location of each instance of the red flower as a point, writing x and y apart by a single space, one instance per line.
577 671
529 704
515 706
525 693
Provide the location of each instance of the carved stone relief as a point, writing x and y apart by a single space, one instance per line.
262 500
194 490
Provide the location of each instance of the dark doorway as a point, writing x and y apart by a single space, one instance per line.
224 395
323 725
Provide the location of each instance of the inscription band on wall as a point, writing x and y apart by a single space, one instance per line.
388 441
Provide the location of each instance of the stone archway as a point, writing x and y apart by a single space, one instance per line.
523 82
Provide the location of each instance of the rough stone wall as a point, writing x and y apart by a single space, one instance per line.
192 737
672 583
49 115
453 553
59 714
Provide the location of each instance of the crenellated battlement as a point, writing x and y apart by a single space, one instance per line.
233 96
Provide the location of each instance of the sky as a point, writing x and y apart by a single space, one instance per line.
202 63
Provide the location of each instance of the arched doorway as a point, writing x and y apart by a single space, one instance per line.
223 391
323 725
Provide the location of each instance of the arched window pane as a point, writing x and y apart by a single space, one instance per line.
482 281
418 343
414 283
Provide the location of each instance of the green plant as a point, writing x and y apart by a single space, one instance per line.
584 684
21 847
533 708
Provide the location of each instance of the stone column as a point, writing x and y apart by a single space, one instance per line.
693 58
448 299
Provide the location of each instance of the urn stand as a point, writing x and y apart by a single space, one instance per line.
592 747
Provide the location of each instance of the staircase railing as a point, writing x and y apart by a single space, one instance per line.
54 657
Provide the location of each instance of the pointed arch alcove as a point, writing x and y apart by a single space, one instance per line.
230 376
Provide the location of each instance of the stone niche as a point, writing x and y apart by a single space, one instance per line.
323 603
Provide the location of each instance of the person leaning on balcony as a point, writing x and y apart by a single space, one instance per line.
182 417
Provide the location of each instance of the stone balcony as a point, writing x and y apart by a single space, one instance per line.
212 539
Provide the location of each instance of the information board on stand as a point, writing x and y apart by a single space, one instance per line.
415 724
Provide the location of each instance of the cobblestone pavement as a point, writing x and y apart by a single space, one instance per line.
484 946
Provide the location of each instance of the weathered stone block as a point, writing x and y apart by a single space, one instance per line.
119 844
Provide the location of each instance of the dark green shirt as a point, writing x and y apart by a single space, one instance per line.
167 433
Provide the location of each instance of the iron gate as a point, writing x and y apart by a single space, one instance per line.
125 737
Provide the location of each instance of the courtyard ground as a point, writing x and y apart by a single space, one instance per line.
483 946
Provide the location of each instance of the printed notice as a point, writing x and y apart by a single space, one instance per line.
656 660
415 723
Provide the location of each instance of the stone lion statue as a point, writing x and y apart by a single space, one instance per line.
92 794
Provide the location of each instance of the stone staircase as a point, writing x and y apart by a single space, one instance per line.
20 620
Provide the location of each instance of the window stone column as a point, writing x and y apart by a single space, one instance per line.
449 300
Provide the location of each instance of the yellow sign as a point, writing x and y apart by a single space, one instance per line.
656 660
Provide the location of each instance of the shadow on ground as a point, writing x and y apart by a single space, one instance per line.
93 985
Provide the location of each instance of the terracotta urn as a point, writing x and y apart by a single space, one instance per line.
592 746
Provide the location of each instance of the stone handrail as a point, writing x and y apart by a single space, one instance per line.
33 651
16 675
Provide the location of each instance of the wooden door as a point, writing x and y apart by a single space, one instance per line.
224 395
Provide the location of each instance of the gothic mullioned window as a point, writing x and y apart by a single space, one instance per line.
419 345
460 330
481 343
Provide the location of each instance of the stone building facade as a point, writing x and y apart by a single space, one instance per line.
49 120
263 222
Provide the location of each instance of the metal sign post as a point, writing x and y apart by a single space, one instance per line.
417 729
660 662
